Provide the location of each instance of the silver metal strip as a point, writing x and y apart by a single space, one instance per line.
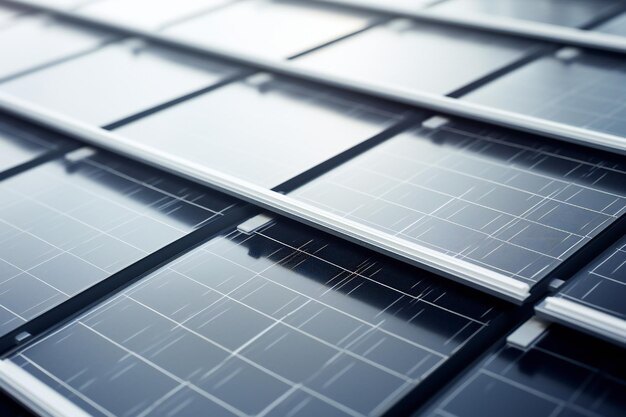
430 101
584 318
34 394
424 257
500 24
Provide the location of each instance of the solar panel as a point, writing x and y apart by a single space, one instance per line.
71 223
615 26
148 14
20 143
564 373
579 89
256 128
601 287
118 81
418 56
572 13
270 28
46 40
279 287
512 203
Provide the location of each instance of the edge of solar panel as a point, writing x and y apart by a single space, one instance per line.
586 319
476 276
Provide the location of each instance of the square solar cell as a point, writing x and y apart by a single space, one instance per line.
35 41
417 56
615 26
263 344
508 202
264 130
147 14
21 143
588 91
573 13
564 373
68 224
118 81
270 28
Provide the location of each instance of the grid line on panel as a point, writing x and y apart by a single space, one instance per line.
278 255
73 251
560 191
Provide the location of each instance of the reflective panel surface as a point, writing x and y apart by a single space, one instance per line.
417 56
117 81
509 202
242 326
588 91
263 130
563 374
148 14
34 41
21 143
574 13
602 285
67 225
270 28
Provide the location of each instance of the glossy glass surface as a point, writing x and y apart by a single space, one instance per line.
417 56
508 202
20 143
65 226
270 28
615 26
563 374
34 41
262 130
574 13
148 14
117 81
285 321
602 285
586 91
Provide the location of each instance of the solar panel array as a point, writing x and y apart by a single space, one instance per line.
283 285
399 143
504 201
67 225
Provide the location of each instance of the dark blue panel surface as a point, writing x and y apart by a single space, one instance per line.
509 202
586 91
67 225
285 321
563 374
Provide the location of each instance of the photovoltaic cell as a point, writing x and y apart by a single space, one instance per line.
117 81
21 143
147 14
33 41
264 130
587 91
283 321
563 374
416 56
509 202
270 28
573 13
67 225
